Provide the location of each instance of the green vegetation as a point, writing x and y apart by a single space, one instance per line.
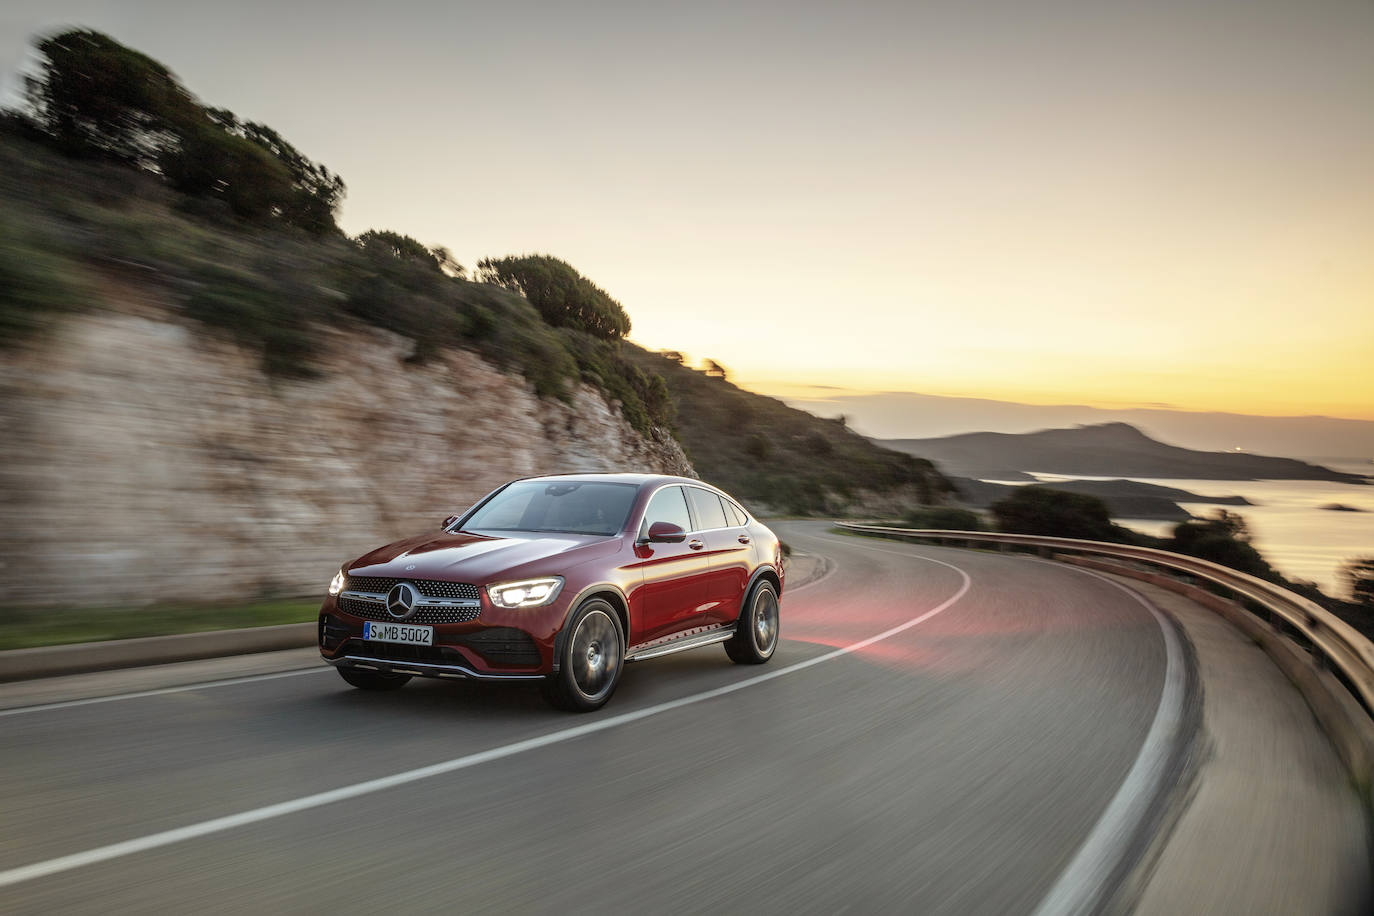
1055 513
25 629
564 297
96 99
35 285
780 459
120 177
1359 574
1223 538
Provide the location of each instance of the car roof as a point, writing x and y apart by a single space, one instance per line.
637 479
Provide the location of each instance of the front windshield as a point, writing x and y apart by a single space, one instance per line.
564 507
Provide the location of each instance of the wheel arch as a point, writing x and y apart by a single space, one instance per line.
763 573
606 591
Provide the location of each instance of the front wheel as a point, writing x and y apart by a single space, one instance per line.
756 633
591 660
373 680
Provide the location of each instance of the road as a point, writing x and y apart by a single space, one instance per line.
969 759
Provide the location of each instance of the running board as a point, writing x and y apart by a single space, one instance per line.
682 645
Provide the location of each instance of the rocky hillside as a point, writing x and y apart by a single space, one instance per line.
211 393
782 460
1102 450
146 461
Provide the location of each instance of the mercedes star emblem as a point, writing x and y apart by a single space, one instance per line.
400 601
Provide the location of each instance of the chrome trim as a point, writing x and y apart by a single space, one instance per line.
420 601
682 645
425 669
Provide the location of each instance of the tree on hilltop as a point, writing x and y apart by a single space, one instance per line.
563 296
94 97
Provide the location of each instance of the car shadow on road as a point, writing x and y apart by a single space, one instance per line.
643 684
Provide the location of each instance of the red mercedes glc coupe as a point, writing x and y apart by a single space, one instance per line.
560 580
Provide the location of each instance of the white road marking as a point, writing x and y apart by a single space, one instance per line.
1081 884
159 691
216 825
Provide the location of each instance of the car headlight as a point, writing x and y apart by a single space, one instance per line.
336 584
528 593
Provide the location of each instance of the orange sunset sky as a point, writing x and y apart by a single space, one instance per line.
1116 204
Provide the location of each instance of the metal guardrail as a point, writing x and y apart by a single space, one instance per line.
1334 643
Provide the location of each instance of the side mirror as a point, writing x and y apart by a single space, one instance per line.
449 521
666 533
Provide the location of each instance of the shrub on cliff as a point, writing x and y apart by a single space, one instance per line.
1223 538
96 98
1359 575
563 296
249 246
35 284
1056 513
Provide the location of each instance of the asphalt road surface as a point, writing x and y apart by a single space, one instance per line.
941 731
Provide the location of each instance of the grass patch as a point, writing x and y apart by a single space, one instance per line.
25 629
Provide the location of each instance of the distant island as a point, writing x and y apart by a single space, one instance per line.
1341 507
1102 450
1124 498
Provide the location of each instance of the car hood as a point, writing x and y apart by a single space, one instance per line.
479 559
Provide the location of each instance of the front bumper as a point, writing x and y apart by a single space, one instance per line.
498 646
423 669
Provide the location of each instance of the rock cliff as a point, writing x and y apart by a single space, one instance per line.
144 460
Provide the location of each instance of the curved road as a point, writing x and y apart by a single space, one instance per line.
962 752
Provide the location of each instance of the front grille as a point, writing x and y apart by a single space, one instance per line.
372 610
503 646
430 588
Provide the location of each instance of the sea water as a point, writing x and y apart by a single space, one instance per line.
1287 522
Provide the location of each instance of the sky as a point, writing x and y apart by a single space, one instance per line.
1118 204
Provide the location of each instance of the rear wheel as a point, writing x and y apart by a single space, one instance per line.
591 660
373 680
756 633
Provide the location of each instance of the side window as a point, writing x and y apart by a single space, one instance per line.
668 505
710 513
735 513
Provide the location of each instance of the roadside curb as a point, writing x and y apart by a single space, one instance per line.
80 658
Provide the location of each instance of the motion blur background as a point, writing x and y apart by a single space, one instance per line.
282 282
267 285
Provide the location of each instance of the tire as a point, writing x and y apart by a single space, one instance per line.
591 660
756 634
373 680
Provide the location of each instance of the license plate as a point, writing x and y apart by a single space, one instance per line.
398 632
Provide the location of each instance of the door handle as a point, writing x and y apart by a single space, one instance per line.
744 539
695 544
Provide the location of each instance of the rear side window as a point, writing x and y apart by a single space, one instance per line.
710 513
735 514
668 505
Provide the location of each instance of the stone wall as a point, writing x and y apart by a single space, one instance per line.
142 460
